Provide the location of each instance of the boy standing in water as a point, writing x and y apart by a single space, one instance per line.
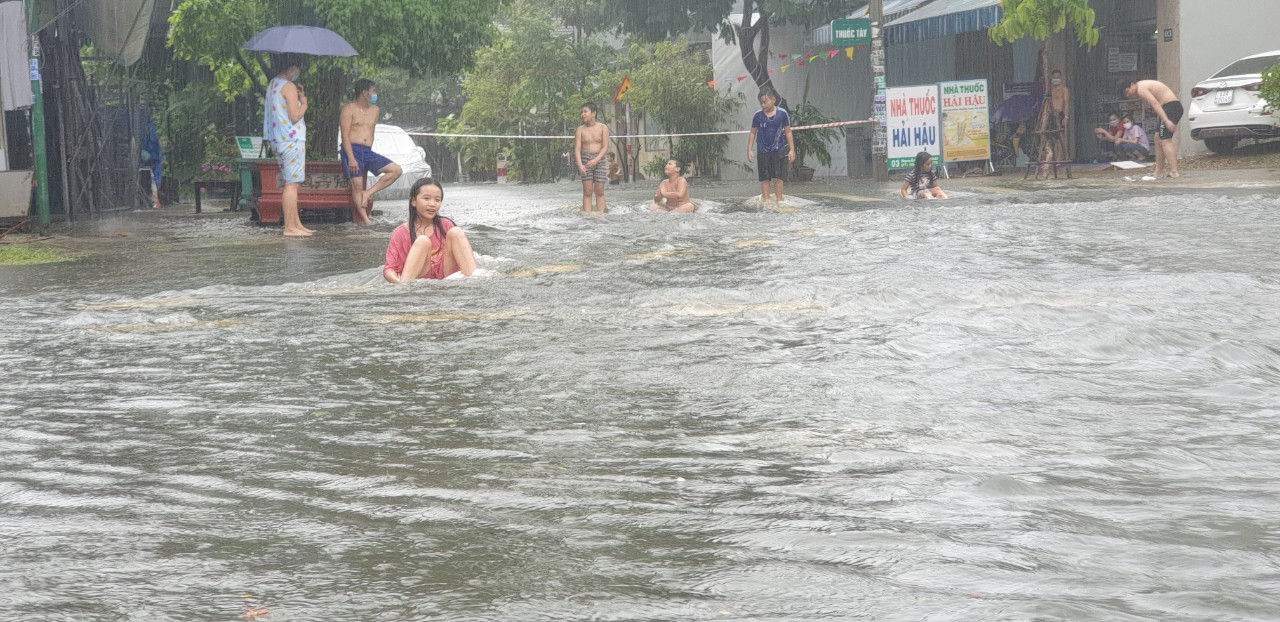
1165 102
358 121
776 145
590 145
673 192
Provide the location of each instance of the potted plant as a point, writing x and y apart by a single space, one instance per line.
810 142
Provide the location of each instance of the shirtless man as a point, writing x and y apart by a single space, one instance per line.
358 120
1165 102
1059 98
590 145
673 192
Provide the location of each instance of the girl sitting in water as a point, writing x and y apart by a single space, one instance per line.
922 181
429 246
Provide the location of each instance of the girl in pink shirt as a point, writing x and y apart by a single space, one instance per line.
429 246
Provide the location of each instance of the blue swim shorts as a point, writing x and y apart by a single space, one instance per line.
369 161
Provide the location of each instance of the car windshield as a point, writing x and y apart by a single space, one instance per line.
1248 66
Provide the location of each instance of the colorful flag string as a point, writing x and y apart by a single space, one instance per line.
801 60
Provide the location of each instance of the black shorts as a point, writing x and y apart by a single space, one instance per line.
1173 110
772 165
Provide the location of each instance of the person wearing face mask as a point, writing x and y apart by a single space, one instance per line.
358 121
1059 98
1133 144
1107 135
284 128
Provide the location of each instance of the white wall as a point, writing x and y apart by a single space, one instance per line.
836 87
1212 35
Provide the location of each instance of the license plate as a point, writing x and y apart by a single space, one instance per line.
1224 96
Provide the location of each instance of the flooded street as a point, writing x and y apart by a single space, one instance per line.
1052 406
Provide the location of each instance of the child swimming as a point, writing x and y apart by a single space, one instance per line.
428 246
922 181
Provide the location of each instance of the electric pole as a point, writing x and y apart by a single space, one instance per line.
879 137
37 120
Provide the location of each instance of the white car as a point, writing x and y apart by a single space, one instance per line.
397 145
1227 107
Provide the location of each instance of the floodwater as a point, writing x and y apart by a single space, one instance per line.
1059 406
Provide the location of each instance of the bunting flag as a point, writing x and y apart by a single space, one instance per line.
798 60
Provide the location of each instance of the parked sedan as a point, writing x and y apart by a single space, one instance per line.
1227 107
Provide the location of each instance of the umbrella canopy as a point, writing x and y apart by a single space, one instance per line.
312 40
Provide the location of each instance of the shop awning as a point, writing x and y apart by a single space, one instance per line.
892 8
943 18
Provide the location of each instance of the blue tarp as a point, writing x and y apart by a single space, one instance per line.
943 18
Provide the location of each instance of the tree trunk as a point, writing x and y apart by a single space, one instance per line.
756 63
1042 125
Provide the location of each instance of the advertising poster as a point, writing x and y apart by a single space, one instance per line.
913 125
966 129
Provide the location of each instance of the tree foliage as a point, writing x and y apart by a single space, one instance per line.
669 84
533 79
420 36
1040 19
1271 87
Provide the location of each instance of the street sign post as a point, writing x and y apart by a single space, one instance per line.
847 32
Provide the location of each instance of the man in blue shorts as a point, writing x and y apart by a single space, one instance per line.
358 120
776 146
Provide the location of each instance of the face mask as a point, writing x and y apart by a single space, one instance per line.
1057 81
1127 125
373 99
293 76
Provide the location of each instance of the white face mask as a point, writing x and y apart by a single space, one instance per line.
1056 81
1128 125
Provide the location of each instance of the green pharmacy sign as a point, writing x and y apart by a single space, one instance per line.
845 32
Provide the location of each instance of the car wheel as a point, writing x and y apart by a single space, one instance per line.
1222 146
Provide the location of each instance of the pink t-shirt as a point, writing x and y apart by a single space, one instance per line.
398 251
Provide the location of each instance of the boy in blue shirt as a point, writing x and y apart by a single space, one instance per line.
773 126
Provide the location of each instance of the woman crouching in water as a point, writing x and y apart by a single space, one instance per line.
429 246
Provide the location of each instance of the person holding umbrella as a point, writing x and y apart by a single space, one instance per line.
283 126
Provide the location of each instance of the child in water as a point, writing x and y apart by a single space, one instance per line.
428 246
673 192
922 181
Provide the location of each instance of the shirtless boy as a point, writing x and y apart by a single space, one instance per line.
590 145
1165 102
358 121
673 192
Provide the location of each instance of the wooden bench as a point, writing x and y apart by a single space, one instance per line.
204 184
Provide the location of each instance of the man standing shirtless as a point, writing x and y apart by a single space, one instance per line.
1163 100
358 120
590 145
1060 107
